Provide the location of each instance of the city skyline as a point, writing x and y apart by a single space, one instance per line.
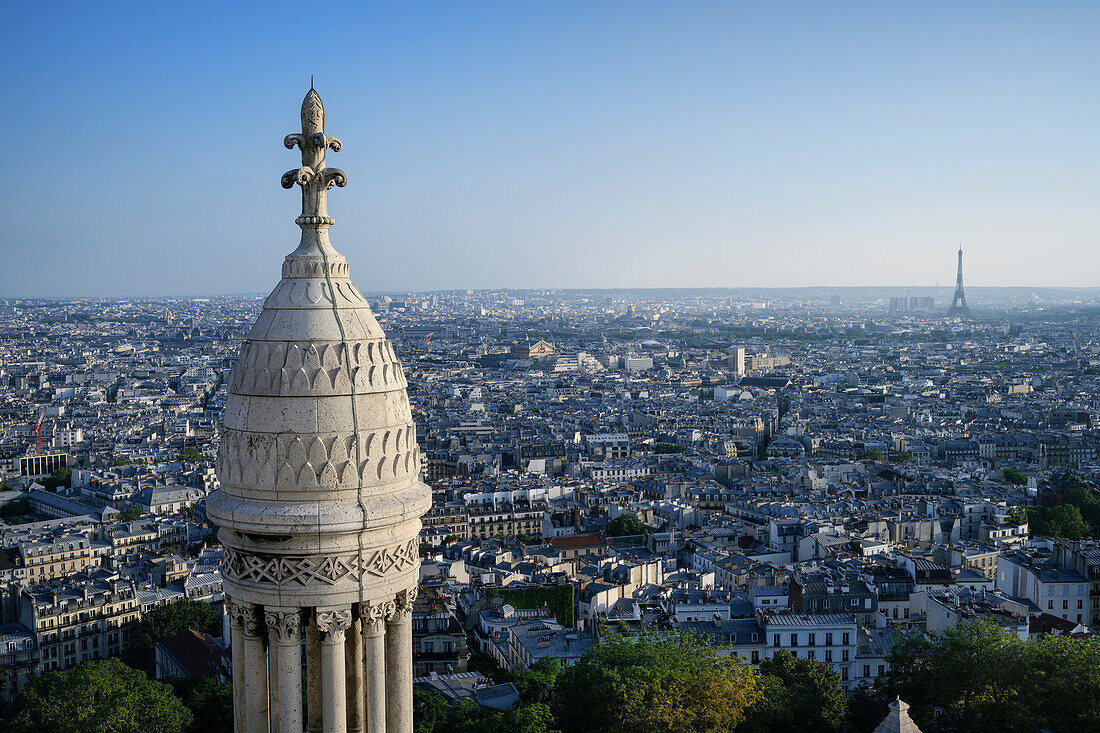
738 146
620 397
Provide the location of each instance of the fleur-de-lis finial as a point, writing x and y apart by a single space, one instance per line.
314 178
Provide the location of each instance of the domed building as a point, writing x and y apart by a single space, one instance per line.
320 500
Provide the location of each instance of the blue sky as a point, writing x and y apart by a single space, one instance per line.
556 144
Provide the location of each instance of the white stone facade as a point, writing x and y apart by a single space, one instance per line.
320 500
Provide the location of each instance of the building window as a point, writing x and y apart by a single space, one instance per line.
828 655
775 640
846 638
794 639
866 670
829 638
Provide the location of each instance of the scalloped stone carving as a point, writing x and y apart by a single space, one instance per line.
288 462
296 369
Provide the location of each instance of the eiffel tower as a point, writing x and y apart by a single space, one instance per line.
958 303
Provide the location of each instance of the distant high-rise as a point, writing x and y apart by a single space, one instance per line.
737 360
958 303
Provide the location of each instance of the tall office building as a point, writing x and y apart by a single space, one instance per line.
320 500
737 360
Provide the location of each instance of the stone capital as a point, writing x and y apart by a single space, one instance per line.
375 613
235 612
244 616
285 624
403 605
332 623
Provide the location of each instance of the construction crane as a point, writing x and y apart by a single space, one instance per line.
38 433
1077 351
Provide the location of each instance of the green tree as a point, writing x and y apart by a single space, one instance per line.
625 525
980 677
210 702
866 708
968 672
60 477
799 694
1089 507
191 455
1064 520
1017 514
655 683
536 685
98 697
533 718
1014 477
163 622
873 454
15 507
1061 683
129 514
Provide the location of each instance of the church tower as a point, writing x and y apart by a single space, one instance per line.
320 500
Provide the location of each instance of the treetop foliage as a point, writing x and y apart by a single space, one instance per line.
163 622
657 683
98 697
625 525
1076 518
981 677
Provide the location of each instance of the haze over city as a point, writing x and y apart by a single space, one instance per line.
550 368
566 145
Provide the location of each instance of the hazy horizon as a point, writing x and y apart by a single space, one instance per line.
944 293
573 146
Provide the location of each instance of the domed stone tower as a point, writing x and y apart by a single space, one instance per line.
320 500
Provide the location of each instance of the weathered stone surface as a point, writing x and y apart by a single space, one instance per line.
320 500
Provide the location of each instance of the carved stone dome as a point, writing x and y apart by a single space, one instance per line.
320 498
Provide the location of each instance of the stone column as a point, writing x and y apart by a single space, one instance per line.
272 682
236 615
286 636
399 688
313 676
374 646
332 624
256 707
353 662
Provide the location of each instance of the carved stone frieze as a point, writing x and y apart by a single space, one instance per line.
309 570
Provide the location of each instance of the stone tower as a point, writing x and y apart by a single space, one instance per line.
320 500
958 303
